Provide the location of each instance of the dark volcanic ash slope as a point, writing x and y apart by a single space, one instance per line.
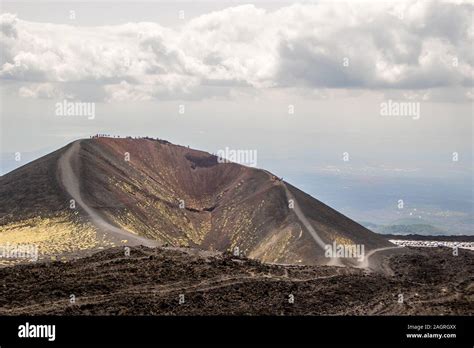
179 196
151 282
35 210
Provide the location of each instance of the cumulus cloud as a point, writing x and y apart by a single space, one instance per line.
403 45
43 91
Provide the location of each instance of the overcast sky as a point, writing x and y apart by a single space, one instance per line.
238 69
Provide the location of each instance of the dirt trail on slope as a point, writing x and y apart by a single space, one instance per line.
304 221
301 216
365 262
334 261
70 182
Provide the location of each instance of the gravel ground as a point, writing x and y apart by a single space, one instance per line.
170 281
